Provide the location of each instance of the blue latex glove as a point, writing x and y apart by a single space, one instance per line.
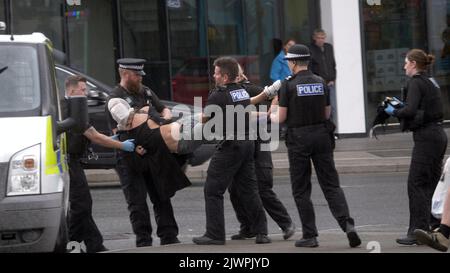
389 110
128 145
115 137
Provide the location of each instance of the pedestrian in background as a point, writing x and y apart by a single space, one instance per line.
82 227
323 64
422 113
304 104
280 69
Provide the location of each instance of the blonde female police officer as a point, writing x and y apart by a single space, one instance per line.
305 106
422 114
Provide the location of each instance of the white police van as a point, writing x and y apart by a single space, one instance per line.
33 166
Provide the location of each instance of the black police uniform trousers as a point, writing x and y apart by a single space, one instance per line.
313 143
81 224
233 166
270 201
430 144
135 186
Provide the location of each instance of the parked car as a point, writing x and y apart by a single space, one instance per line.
104 158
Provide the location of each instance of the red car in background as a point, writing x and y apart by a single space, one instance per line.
194 78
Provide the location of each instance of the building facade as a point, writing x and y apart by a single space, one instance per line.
181 38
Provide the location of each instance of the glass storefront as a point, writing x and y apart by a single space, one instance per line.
2 14
188 49
200 31
39 16
439 46
390 31
91 39
179 38
143 30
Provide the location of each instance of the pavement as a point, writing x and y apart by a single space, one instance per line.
390 153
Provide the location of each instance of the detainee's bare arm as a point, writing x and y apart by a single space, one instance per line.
166 114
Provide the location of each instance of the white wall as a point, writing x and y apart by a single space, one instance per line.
341 20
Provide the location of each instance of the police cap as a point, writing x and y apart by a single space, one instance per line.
298 52
136 65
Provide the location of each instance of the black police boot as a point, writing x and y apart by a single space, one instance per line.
97 249
289 232
205 240
169 241
242 236
262 239
409 240
146 243
311 242
353 238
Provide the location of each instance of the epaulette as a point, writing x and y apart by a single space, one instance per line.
289 78
148 91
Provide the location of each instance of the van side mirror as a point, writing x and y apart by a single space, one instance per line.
77 116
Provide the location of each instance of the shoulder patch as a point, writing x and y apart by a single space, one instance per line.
239 95
307 90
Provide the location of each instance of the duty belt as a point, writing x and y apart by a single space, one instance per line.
308 127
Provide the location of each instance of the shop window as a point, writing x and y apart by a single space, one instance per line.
144 35
91 39
391 30
2 12
439 45
189 53
39 16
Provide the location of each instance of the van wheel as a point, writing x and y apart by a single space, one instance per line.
62 239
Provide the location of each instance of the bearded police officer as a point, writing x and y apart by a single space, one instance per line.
135 183
232 165
304 104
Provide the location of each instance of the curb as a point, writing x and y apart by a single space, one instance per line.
109 178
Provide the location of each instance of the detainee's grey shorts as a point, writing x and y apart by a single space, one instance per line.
191 133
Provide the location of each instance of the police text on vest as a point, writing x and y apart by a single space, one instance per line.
306 90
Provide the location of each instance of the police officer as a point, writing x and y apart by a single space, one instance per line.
232 163
264 176
135 183
305 106
422 114
82 227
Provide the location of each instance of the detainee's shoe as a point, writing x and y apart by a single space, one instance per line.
289 232
435 240
311 242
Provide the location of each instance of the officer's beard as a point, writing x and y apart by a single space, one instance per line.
134 87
